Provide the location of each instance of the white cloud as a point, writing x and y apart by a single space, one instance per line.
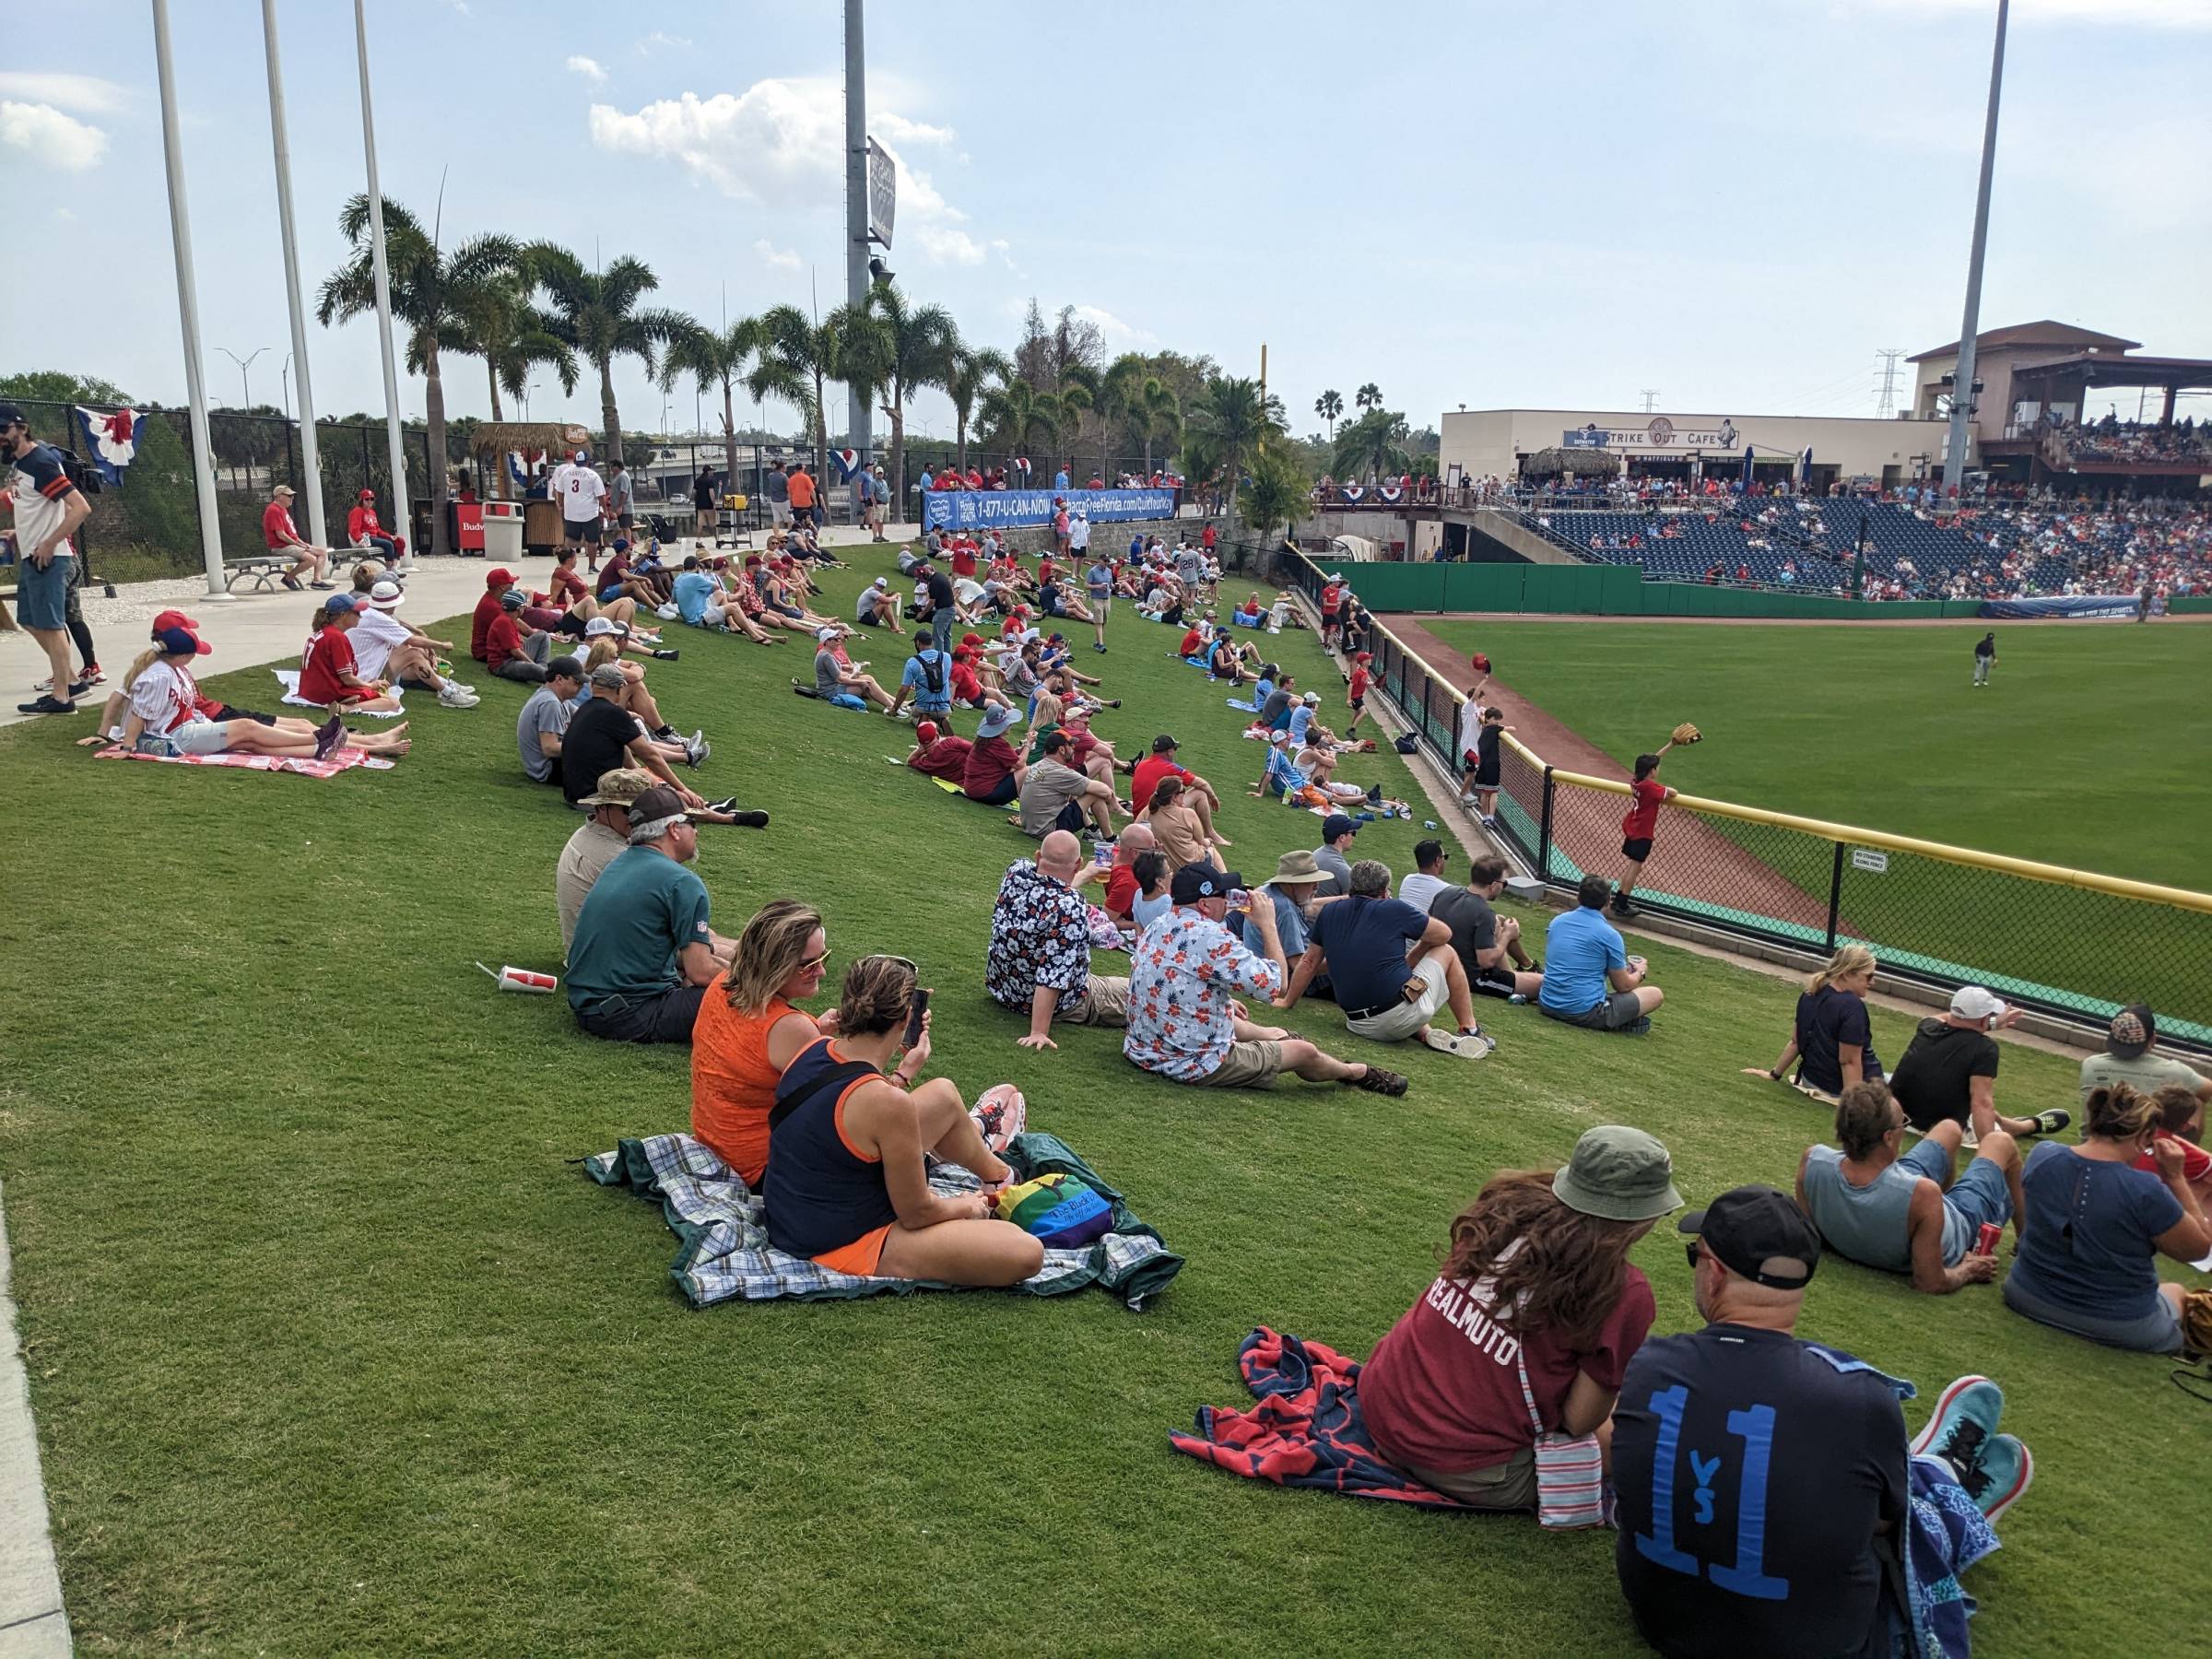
87 94
659 40
784 259
59 140
65 215
589 68
1114 330
781 144
897 129
2147 14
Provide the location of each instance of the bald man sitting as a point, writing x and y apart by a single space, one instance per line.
1122 885
1040 959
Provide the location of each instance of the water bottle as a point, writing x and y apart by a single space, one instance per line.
1517 999
1428 823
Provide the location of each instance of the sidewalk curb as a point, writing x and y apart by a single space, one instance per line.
33 1624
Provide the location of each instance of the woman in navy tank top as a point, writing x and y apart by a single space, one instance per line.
846 1185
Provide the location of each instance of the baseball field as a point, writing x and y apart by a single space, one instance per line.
2090 748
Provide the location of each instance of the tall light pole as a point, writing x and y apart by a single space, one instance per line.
857 202
188 313
311 454
400 515
1962 376
244 364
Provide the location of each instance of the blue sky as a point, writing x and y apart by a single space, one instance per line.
1545 206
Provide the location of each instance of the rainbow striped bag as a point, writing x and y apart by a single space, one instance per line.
1057 1210
1570 1472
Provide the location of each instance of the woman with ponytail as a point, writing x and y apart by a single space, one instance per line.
2096 1226
165 714
1832 1040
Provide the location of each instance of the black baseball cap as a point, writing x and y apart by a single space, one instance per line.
1197 881
1758 1233
11 416
1337 824
1163 744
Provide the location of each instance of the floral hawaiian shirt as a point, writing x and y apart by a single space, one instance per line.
1186 969
1039 936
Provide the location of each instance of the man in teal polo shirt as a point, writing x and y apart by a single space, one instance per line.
643 954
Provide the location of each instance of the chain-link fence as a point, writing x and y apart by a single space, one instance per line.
2068 943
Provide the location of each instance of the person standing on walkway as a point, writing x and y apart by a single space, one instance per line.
800 483
48 509
621 496
580 492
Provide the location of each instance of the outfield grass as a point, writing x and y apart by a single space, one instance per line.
334 1349
2089 748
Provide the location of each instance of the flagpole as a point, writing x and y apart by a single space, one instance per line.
188 313
280 142
402 521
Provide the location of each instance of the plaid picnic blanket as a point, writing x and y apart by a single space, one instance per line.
725 1253
1306 1431
346 759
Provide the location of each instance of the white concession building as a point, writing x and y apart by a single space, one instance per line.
1485 443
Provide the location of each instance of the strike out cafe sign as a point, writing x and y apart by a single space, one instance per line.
1653 435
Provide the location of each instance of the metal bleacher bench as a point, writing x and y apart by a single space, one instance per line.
264 567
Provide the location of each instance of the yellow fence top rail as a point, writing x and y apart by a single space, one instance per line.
2118 886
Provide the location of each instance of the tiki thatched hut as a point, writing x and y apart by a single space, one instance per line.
1582 463
492 441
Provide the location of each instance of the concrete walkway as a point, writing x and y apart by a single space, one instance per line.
250 627
33 1624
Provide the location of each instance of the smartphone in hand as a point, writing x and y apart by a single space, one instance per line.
917 1012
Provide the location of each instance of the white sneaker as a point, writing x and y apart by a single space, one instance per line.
458 696
1472 1045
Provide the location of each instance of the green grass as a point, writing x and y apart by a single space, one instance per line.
334 1349
2090 748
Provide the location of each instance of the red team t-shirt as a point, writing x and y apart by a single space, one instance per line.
329 655
1442 1390
1121 891
2195 1162
946 757
501 640
1149 771
991 760
1360 681
1643 817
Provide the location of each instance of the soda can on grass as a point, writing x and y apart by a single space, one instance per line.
1986 1241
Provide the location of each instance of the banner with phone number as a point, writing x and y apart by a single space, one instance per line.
1006 508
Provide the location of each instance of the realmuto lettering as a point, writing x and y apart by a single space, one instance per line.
1466 1306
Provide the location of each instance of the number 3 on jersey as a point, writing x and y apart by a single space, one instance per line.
1755 1427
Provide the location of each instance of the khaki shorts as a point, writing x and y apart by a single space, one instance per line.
1246 1065
1397 1024
1104 1002
1511 1485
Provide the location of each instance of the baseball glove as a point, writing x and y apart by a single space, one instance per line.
1685 734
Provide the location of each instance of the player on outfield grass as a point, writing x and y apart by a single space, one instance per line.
1985 656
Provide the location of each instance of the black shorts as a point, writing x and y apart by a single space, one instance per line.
230 711
1485 777
583 530
1358 703
1638 847
1491 982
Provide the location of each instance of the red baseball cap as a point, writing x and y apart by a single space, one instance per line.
175 619
926 732
500 578
367 495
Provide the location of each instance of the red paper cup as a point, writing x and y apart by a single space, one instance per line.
524 980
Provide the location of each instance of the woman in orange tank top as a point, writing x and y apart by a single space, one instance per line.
748 1031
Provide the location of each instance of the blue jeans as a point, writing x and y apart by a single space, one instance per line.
1979 1195
940 628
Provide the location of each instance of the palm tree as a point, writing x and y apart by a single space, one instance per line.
1373 446
1329 405
1368 396
429 289
1016 412
498 322
1232 420
970 369
1121 398
1161 412
917 347
596 313
800 358
1280 488
1081 388
716 360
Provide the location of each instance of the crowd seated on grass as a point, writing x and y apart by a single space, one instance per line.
1527 1328
1831 1040
385 648
1392 966
162 711
749 1029
1905 1211
1186 971
2097 1222
1950 1070
1487 945
643 954
1589 978
330 677
1039 962
847 1184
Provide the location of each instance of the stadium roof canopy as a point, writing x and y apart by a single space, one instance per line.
2179 374
2045 332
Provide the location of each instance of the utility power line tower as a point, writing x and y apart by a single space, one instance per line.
1888 406
1650 397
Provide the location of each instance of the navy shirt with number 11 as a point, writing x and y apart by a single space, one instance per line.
1752 1475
